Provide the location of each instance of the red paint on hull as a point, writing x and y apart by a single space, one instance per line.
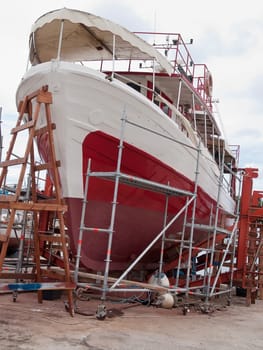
139 214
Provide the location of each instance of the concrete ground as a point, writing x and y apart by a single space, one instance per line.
25 324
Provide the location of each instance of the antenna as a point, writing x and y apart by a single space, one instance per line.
154 25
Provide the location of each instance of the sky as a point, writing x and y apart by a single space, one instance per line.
226 37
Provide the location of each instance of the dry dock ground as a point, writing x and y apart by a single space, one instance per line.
25 324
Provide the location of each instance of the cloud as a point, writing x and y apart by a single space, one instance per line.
126 15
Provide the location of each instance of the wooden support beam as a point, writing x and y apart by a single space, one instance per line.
44 129
15 275
29 206
51 238
3 237
44 96
91 276
7 198
46 166
11 162
22 127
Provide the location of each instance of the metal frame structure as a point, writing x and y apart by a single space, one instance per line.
119 177
213 247
208 287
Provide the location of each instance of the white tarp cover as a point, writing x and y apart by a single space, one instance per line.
87 37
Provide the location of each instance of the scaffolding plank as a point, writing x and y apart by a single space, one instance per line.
92 276
208 228
141 183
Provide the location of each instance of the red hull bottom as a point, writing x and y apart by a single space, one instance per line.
139 213
134 229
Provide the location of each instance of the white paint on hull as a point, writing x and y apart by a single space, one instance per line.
85 101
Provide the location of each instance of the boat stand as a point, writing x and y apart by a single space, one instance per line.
249 277
34 203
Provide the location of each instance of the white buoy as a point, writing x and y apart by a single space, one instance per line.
166 301
161 280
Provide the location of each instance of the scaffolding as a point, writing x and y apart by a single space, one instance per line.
206 287
31 202
112 285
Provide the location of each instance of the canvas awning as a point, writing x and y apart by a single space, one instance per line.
87 37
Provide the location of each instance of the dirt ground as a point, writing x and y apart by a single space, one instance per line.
26 324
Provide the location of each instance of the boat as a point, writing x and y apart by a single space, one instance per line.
141 93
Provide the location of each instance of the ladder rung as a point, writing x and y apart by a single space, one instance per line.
44 129
51 238
46 166
23 127
175 240
11 162
95 229
7 198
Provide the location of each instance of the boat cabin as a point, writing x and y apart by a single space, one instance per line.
156 65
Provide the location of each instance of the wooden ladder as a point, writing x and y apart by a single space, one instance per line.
253 270
34 105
